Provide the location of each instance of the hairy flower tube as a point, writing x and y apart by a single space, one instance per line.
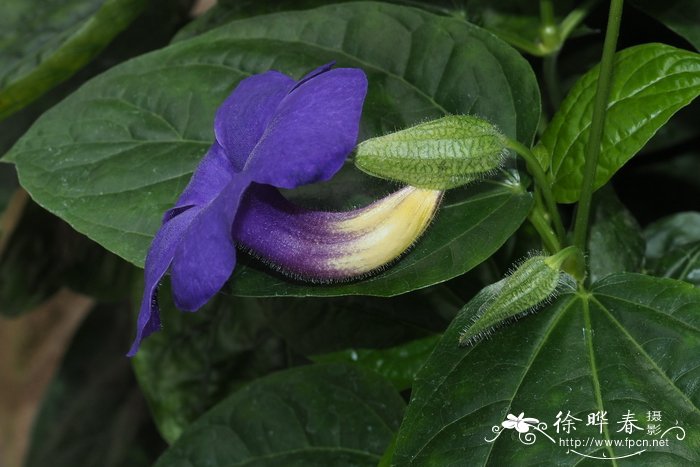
327 246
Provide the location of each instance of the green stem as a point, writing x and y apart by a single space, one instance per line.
574 18
549 41
598 119
535 169
551 80
549 238
547 13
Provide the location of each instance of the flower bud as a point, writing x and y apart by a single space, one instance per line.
532 283
438 155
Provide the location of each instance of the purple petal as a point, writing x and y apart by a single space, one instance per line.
158 260
242 118
312 131
206 254
314 73
212 175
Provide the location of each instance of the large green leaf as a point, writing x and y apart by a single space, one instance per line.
615 241
630 344
152 29
225 11
316 415
670 232
113 156
199 358
650 83
43 43
320 325
682 263
398 364
681 16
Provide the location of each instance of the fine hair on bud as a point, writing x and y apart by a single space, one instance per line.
438 154
533 283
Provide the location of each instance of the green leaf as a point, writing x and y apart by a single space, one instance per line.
628 344
199 358
681 129
673 247
615 241
316 415
682 263
398 364
670 232
320 325
651 82
44 43
44 254
93 413
150 30
225 11
681 16
135 134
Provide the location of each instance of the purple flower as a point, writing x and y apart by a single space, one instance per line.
272 130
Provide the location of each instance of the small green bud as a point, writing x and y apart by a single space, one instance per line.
535 281
438 155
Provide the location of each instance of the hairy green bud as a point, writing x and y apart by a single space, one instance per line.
438 155
532 283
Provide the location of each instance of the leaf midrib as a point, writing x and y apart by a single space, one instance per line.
644 353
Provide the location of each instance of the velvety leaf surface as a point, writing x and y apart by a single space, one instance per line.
315 415
136 133
672 231
43 43
398 364
651 82
682 263
226 11
199 358
152 29
94 413
321 325
681 16
615 241
628 345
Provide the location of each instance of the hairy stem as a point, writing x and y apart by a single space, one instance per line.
542 182
596 132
